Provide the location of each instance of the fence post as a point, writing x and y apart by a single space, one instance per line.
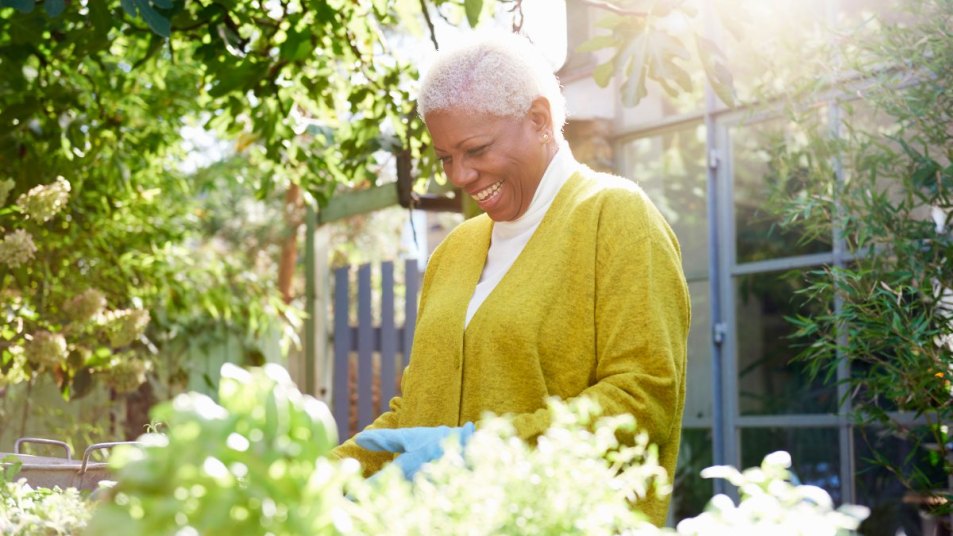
388 336
340 389
365 338
412 284
365 348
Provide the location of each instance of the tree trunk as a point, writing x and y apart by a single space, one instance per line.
289 246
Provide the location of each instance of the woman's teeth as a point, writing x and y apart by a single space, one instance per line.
483 195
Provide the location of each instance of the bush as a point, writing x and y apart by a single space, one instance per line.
881 185
25 511
253 463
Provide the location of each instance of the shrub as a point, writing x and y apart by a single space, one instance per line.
25 511
254 463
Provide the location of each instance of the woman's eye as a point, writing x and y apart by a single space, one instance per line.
478 150
444 159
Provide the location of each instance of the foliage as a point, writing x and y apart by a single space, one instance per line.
888 307
251 463
255 463
643 48
771 502
54 323
25 511
96 97
578 479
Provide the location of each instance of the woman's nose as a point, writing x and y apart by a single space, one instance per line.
460 174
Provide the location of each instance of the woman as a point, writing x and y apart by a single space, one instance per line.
570 284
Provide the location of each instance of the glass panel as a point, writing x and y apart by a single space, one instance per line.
880 489
768 382
692 492
757 231
698 399
815 453
671 169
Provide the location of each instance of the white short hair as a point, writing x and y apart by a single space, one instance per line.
499 74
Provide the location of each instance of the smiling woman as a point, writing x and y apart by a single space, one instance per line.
570 285
498 161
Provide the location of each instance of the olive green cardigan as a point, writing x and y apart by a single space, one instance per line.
595 305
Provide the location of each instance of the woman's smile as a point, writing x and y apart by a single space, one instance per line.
487 194
497 160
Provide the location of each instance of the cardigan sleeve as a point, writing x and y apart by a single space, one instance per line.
370 461
642 316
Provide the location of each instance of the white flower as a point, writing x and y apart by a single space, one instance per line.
17 248
44 201
940 217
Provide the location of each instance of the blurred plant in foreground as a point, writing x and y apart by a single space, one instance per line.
254 463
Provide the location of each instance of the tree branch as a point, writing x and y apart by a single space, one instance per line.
614 8
517 11
433 33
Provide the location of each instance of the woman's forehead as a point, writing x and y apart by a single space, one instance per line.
450 128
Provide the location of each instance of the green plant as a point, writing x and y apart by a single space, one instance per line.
887 310
51 325
770 501
25 511
578 479
250 463
254 463
645 48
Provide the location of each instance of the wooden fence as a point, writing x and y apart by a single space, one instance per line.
369 358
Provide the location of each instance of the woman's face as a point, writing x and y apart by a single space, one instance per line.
498 161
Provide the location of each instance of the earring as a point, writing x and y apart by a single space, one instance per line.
545 137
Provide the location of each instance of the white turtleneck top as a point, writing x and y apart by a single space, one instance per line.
510 237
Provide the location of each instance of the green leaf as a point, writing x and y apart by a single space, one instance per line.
156 21
54 8
603 73
717 73
297 46
611 21
129 6
598 42
926 174
82 382
633 89
99 358
473 9
23 6
101 18
663 49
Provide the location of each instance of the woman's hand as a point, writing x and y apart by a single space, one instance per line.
415 446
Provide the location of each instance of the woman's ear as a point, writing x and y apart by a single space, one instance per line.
540 115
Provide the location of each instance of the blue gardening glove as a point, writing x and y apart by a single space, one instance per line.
415 446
